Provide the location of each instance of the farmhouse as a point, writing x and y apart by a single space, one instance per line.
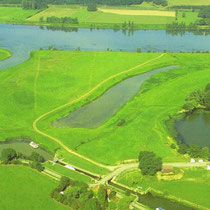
34 145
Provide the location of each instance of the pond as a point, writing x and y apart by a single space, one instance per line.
24 148
100 110
21 39
195 128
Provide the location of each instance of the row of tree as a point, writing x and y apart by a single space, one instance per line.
34 4
10 156
198 98
78 195
158 2
63 20
204 12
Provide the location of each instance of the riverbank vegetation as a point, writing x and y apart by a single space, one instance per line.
4 54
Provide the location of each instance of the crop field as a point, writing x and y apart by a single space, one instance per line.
188 2
139 12
13 14
103 16
194 183
20 183
4 54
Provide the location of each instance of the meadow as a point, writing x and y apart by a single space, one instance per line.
190 187
15 14
50 79
188 2
19 183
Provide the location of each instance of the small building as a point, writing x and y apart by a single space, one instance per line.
70 167
62 192
34 145
159 208
200 161
192 160
208 167
167 170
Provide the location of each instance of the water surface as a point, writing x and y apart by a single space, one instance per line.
195 128
21 39
100 110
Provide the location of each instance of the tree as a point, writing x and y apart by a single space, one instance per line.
36 157
102 197
149 163
205 153
182 148
194 151
37 165
92 7
92 204
184 15
8 154
138 50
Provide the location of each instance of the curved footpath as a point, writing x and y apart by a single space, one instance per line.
78 99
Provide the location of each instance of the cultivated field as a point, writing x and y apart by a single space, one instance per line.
23 188
139 12
188 2
190 187
105 16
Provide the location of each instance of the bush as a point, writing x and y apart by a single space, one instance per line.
36 157
8 154
92 7
149 163
37 165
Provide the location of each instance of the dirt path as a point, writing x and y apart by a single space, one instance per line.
36 129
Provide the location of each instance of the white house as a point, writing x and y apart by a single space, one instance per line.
192 160
208 167
69 167
200 161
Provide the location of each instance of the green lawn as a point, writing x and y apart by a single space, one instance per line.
4 54
193 186
23 188
15 14
190 17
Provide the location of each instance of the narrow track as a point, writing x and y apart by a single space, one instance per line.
36 129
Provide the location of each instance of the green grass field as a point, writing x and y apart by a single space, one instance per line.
190 187
56 77
15 14
23 188
4 54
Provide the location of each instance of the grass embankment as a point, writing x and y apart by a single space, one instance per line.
4 54
105 17
188 2
23 188
190 187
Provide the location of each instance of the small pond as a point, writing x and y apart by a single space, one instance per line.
195 128
24 148
100 110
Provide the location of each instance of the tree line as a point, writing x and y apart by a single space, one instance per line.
10 156
63 20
